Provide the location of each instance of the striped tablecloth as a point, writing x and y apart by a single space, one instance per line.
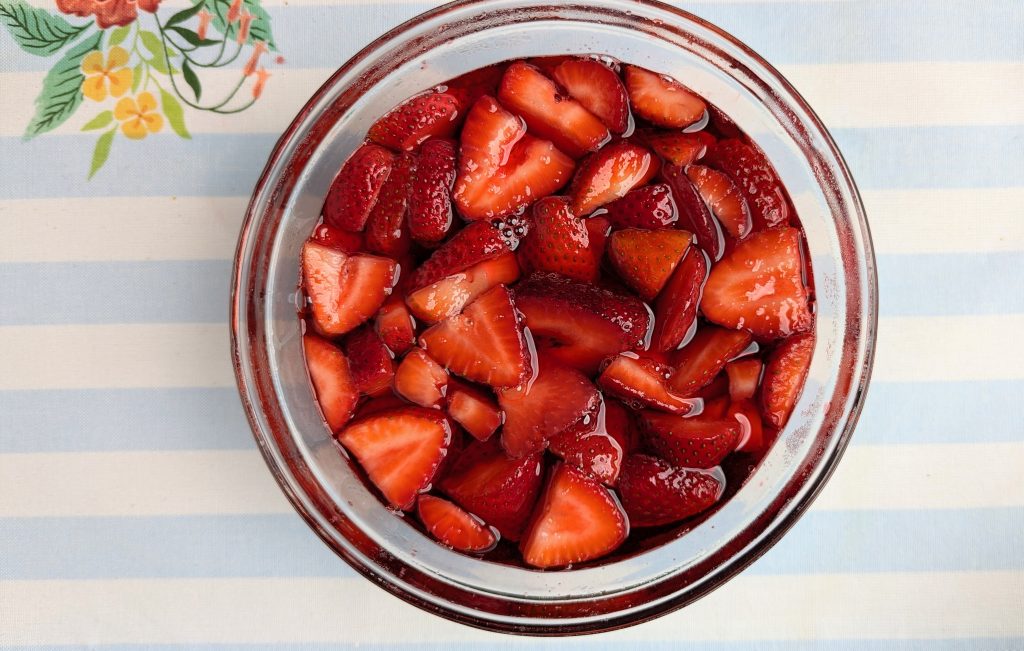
136 512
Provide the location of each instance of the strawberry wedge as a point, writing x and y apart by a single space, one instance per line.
453 526
655 493
331 375
344 290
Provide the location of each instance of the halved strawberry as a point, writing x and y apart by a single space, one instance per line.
430 199
472 245
655 493
344 290
372 364
549 64
474 409
748 167
336 238
502 170
484 344
591 447
618 422
580 324
354 190
759 286
396 326
331 376
387 232
645 259
598 89
548 113
551 401
610 174
448 296
651 206
661 100
697 363
693 212
723 198
744 375
675 311
641 382
400 450
746 413
689 442
429 115
784 375
680 149
473 85
375 405
499 489
559 241
576 520
421 380
454 527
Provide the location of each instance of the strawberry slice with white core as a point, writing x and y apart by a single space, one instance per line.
421 380
354 190
455 527
598 89
331 376
641 381
675 310
744 376
344 290
474 409
725 200
610 174
416 120
697 363
447 297
680 149
661 100
645 259
784 377
655 493
689 442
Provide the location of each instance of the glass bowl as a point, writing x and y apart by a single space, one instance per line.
322 484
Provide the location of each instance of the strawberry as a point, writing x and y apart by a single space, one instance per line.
693 212
344 290
421 380
715 409
354 190
755 177
645 259
784 375
484 344
689 442
336 238
654 493
476 243
723 198
651 206
548 113
448 296
759 286
717 388
430 201
400 450
428 115
590 446
513 228
559 241
395 325
580 324
610 174
675 310
385 402
697 363
641 381
744 375
549 64
474 409
372 364
746 413
576 520
453 526
551 401
499 489
661 100
331 375
679 149
619 425
473 85
386 230
598 89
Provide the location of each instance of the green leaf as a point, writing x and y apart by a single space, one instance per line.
191 37
98 122
151 42
259 29
62 88
101 152
138 73
175 114
185 14
36 30
118 34
191 79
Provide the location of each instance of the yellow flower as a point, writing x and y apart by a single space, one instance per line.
138 116
98 76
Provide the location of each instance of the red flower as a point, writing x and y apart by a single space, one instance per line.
108 12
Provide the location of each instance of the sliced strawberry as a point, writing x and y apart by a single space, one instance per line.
484 344
473 85
697 363
548 113
661 100
387 232
619 425
675 311
651 206
723 198
385 402
396 326
429 115
421 380
744 376
752 438
591 447
759 286
693 212
400 450
641 381
784 375
448 296
499 489
598 89
472 245
580 324
610 174
336 238
331 375
645 259
372 364
354 190
689 442
680 149
344 290
474 409
549 64
559 241
454 527
718 388
514 228
430 201
654 493
715 409
550 402
576 520
748 167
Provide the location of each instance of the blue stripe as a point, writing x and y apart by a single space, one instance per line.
612 642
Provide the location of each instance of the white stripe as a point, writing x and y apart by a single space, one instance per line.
919 605
48 4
